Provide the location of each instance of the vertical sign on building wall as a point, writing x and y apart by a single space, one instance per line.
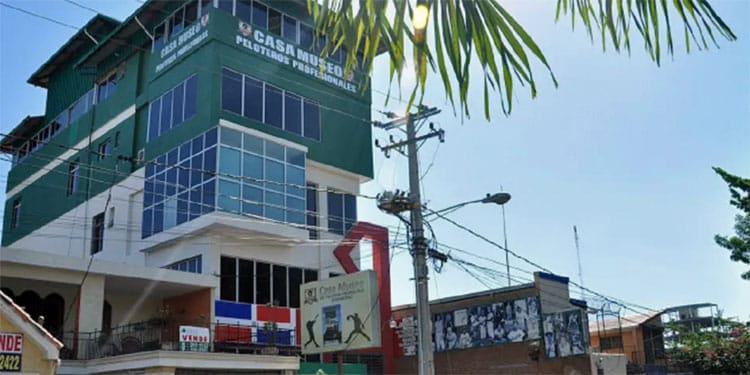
11 351
564 334
341 313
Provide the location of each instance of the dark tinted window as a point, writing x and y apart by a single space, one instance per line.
228 279
289 28
246 282
244 10
305 36
335 213
274 22
273 106
279 286
350 211
191 95
295 280
231 91
312 210
177 105
253 99
225 5
311 275
312 120
292 113
263 277
191 12
166 113
260 15
153 120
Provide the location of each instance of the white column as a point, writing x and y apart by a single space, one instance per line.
91 302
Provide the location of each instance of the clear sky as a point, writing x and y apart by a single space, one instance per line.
623 149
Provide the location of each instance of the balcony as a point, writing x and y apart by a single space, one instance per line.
159 334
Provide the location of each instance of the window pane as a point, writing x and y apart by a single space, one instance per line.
166 112
296 157
273 106
191 12
196 177
295 210
293 113
289 28
295 179
229 161
171 182
252 169
244 10
229 193
305 36
211 137
245 281
312 210
183 201
275 175
153 119
231 91
225 5
260 15
177 108
252 200
335 213
295 280
253 144
274 150
146 223
196 201
279 286
274 22
198 144
209 162
158 218
209 196
177 22
311 275
205 6
228 283
350 211
231 137
263 280
159 37
274 208
312 120
183 176
191 94
253 99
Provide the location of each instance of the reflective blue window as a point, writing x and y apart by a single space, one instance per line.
292 113
296 157
312 120
273 101
166 113
252 200
231 137
229 196
229 161
275 151
260 15
244 10
253 99
196 202
178 108
335 213
253 144
172 108
191 97
153 119
274 175
252 169
146 227
231 91
211 137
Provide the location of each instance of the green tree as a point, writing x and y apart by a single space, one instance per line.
713 352
463 31
739 244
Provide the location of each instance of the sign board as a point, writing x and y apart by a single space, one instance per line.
11 351
194 339
340 313
183 43
564 334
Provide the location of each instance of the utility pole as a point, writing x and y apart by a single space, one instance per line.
419 245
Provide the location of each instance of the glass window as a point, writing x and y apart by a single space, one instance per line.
228 282
279 286
229 161
229 196
295 210
273 106
292 113
311 275
260 15
146 226
263 280
252 169
335 213
253 144
295 281
274 150
295 157
209 162
275 176
252 200
245 281
73 175
191 12
15 218
289 28
295 179
253 99
105 149
274 208
196 202
231 137
166 113
350 211
158 218
231 91
177 105
305 36
274 22
178 22
312 210
312 120
209 196
205 6
191 94
160 36
244 10
226 5
211 137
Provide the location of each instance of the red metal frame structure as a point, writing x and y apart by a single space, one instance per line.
382 267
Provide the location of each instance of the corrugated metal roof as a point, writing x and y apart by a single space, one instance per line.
98 27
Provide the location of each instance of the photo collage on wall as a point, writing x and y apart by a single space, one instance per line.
563 334
497 323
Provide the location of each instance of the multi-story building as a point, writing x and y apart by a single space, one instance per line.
195 164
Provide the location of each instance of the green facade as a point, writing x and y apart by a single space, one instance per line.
345 116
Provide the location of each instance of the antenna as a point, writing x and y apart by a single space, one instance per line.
578 255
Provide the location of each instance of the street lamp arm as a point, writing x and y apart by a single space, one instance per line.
497 198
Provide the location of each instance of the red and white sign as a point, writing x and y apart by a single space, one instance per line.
11 342
194 334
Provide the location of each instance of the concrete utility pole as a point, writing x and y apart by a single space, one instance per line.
419 245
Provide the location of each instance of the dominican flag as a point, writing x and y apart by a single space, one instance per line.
244 323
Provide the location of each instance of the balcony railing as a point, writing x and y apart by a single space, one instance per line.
162 335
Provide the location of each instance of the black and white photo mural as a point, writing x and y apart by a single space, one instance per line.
563 334
497 323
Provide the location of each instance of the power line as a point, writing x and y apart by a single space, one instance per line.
83 6
37 15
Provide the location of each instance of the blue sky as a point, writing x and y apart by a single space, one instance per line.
623 149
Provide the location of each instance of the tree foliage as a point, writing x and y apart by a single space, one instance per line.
464 31
714 352
738 244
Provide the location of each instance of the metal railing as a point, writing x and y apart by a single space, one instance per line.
160 334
